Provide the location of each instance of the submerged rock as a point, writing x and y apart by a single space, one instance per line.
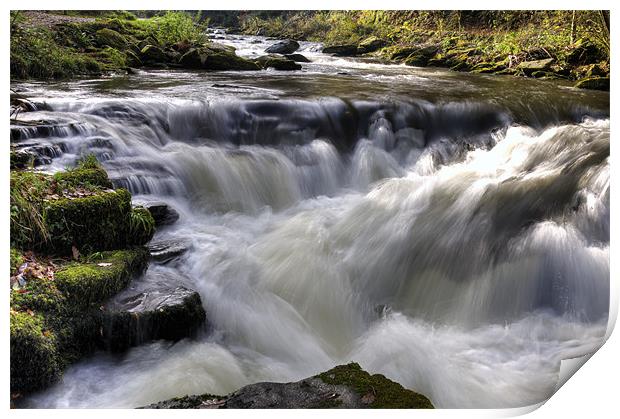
288 46
345 386
132 318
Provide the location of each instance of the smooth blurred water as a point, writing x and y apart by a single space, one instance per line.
450 231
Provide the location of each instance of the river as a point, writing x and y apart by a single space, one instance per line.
448 230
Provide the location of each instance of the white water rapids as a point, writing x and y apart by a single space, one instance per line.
463 266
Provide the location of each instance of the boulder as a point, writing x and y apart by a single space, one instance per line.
109 37
370 44
593 83
298 58
418 56
277 63
288 46
347 50
152 54
529 67
162 213
344 386
135 317
213 57
585 52
166 250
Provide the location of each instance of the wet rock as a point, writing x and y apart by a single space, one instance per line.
162 213
345 386
348 50
585 52
370 44
277 63
132 318
288 46
594 83
152 54
421 56
529 67
166 250
298 58
215 57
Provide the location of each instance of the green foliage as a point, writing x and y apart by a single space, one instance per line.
26 197
141 225
386 394
175 27
34 355
34 53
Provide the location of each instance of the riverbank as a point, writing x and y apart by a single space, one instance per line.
530 44
547 45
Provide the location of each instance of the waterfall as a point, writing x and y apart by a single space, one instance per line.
459 247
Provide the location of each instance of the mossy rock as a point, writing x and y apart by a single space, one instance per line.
370 44
214 58
39 294
111 38
34 355
487 68
277 63
345 386
88 284
384 393
84 177
95 222
21 159
594 83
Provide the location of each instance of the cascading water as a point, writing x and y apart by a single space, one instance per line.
460 246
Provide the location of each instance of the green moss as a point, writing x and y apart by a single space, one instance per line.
34 355
39 294
89 178
88 284
16 260
96 222
110 38
387 394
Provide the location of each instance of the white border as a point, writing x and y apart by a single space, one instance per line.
591 393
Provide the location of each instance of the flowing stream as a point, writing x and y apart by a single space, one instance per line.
448 230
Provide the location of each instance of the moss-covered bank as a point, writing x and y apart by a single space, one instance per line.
86 237
483 41
112 42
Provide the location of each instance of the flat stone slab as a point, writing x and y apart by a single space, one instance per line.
164 251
